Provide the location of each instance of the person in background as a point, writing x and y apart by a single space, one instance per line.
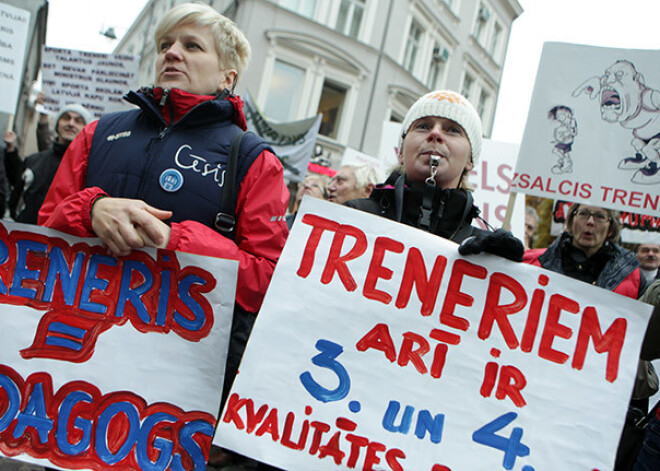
314 185
648 256
129 177
351 182
588 251
531 224
30 178
440 142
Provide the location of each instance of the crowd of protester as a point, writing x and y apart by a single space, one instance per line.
82 184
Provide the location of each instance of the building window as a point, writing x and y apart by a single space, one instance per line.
439 59
350 16
304 7
412 46
496 40
480 26
466 89
284 92
331 105
482 106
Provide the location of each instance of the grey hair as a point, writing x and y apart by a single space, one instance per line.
364 175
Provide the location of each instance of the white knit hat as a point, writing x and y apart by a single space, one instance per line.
450 105
76 108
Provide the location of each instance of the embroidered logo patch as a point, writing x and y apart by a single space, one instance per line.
171 180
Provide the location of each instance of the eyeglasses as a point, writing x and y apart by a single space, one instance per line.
584 215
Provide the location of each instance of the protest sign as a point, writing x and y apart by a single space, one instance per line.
292 142
14 26
492 178
592 129
379 347
109 362
93 79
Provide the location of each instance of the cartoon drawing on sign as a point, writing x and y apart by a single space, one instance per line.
563 137
625 98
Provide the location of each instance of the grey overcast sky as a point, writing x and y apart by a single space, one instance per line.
76 24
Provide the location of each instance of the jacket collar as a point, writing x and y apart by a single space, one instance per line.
173 104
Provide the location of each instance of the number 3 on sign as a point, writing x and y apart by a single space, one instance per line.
326 359
512 446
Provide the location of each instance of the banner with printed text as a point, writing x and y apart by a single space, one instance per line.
393 352
593 129
109 362
14 26
95 80
293 142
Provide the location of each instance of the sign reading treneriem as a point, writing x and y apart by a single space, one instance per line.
379 347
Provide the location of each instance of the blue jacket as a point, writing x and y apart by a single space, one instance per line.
184 162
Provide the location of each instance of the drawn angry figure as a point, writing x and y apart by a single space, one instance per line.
625 98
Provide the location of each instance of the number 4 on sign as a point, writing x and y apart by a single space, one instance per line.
512 447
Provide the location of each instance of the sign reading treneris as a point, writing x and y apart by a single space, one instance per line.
379 347
109 362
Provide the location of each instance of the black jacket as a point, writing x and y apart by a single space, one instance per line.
450 211
30 180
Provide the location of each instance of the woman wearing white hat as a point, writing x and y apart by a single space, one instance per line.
440 143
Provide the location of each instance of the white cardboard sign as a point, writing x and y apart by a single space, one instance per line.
14 24
593 129
95 80
379 347
109 362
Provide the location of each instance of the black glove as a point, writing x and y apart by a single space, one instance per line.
500 242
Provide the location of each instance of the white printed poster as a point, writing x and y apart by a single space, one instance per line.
593 129
14 24
292 142
379 347
95 80
109 363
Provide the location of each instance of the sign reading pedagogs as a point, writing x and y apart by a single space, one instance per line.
109 362
593 130
393 352
14 24
96 80
293 142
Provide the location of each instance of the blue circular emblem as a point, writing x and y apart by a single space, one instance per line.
171 180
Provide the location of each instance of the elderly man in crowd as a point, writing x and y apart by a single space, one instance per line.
648 256
352 182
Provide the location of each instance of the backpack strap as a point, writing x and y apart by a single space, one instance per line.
225 220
